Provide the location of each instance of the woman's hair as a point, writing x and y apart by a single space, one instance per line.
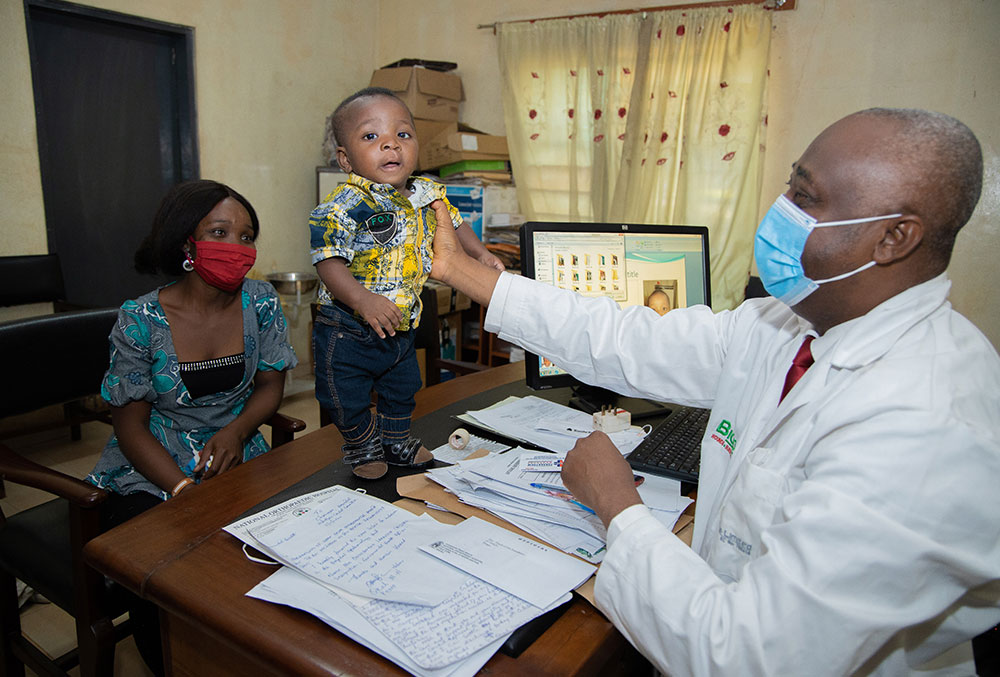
180 212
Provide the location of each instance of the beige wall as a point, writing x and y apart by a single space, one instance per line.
267 74
831 58
260 128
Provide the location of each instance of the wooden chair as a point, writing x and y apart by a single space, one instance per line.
52 359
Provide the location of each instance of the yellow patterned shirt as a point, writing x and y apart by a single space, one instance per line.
385 238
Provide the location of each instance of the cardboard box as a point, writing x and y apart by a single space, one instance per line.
431 95
449 300
460 142
428 129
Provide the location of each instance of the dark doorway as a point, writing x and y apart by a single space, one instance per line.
114 103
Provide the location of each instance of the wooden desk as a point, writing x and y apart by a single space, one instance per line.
177 556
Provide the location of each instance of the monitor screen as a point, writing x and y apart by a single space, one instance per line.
663 267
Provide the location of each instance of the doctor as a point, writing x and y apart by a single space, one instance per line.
847 514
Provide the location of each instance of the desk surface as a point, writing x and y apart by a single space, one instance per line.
177 556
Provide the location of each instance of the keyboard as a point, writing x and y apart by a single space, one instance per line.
673 447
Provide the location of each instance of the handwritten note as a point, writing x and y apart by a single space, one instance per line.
292 588
475 616
364 546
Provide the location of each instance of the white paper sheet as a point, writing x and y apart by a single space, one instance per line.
532 419
266 519
294 589
446 454
525 568
362 545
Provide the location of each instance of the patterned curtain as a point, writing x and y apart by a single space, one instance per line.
655 118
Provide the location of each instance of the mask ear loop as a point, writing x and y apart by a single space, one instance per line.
258 560
646 429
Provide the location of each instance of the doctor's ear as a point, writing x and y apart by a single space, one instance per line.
900 237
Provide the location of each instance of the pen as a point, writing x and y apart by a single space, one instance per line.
559 492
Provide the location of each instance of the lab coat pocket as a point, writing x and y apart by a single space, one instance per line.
746 511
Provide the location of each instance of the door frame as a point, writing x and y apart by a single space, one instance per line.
187 121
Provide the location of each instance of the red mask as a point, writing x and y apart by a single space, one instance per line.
222 264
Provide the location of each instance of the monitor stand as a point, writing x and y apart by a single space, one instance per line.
590 399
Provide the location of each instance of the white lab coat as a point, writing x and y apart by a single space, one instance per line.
851 529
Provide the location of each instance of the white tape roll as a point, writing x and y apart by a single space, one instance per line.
459 439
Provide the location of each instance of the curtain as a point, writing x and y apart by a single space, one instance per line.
566 83
655 118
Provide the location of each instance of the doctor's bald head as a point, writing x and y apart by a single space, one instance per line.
940 166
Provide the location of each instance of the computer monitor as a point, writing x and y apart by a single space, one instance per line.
661 266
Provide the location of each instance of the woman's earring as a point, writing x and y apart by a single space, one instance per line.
187 264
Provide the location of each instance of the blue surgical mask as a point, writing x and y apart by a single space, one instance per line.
781 237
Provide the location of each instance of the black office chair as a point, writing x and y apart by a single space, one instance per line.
56 359
33 279
52 359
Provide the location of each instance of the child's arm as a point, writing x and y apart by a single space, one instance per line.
379 312
474 247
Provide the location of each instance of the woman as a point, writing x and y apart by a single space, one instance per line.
196 366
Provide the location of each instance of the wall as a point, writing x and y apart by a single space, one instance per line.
260 128
828 58
267 74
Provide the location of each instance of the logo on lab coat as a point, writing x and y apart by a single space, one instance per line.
725 436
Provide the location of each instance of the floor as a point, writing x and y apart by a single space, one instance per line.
46 624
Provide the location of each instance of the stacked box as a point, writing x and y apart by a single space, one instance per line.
429 94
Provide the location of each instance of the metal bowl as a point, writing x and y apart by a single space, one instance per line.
293 283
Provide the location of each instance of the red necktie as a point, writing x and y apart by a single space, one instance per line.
803 360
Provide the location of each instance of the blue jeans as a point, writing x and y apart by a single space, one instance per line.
351 360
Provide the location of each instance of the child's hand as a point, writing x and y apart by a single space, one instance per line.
492 261
380 313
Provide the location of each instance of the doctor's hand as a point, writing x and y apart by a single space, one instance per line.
598 476
447 248
453 266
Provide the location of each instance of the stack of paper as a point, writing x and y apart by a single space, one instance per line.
517 486
545 424
435 599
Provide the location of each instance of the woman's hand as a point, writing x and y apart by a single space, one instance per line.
223 451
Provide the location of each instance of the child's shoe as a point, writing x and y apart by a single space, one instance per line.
367 460
409 452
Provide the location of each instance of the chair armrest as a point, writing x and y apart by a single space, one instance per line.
288 424
461 367
15 468
283 428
